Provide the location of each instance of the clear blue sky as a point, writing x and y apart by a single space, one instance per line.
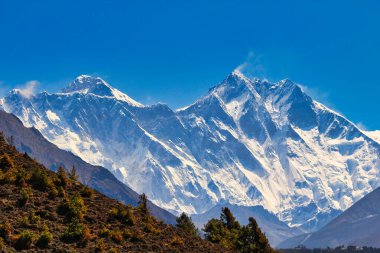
173 51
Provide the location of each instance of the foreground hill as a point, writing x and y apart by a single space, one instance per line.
41 210
247 142
30 140
359 225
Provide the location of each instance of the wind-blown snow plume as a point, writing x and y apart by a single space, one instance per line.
29 88
252 66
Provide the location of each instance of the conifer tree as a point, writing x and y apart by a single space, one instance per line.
228 233
186 224
143 204
62 177
73 174
252 239
228 219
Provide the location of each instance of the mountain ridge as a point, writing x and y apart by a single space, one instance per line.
358 225
247 142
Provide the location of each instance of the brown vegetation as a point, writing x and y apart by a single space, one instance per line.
44 211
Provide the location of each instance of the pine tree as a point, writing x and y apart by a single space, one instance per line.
143 204
186 224
228 233
62 177
228 219
73 174
252 239
214 230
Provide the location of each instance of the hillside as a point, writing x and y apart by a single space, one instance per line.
31 141
40 209
359 225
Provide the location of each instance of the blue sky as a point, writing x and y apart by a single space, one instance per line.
173 51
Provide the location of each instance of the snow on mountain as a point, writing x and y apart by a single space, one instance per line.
95 85
248 142
359 225
374 135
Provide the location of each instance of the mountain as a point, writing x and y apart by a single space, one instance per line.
41 211
29 140
374 135
359 225
247 142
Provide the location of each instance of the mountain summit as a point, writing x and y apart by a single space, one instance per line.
97 86
248 142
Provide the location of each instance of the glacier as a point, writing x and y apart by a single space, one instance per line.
247 142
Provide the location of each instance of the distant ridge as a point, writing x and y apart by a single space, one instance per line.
359 225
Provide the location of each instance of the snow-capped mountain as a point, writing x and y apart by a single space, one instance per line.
374 135
248 142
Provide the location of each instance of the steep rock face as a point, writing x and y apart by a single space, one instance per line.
248 142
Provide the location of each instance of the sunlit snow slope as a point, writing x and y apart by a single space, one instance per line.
247 142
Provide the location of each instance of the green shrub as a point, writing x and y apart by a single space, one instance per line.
24 240
113 250
8 177
137 236
100 248
5 229
63 207
148 228
123 214
24 222
21 177
61 192
116 236
29 220
72 209
53 193
44 239
77 208
24 197
177 241
2 245
105 233
76 231
86 192
127 234
33 218
40 180
6 163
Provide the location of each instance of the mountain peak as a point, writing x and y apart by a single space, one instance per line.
97 86
85 83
